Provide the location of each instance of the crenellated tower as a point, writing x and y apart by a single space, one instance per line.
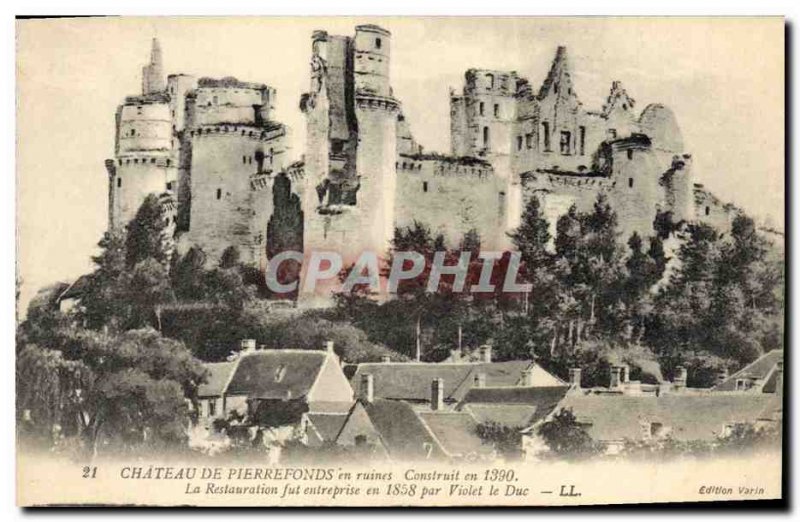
145 155
351 150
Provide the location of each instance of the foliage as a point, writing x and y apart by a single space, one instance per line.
109 390
566 438
506 440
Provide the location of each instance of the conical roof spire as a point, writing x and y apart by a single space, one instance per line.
153 73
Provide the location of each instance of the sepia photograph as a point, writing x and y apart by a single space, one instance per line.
400 261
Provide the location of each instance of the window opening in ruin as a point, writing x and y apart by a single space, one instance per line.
377 43
244 160
529 140
486 137
424 186
708 211
212 407
480 108
168 162
582 135
152 160
546 134
491 80
496 110
260 161
630 182
519 142
119 182
216 100
219 193
169 185
630 154
612 133
656 429
566 142
133 132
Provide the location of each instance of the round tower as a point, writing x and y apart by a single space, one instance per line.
144 162
371 55
235 153
376 113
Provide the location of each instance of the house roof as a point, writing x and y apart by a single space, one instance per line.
276 374
327 425
402 432
217 377
687 417
412 381
512 415
456 432
759 369
513 406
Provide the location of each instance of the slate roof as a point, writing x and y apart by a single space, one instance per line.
216 379
402 432
687 417
327 425
761 368
412 381
456 432
513 406
276 374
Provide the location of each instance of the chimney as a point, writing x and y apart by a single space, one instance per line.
367 388
480 380
248 345
455 355
437 395
616 372
779 378
575 377
329 346
681 375
486 353
386 359
527 377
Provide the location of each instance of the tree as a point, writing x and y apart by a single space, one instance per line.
146 237
121 391
566 438
506 440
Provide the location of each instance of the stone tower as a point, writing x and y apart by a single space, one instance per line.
351 148
153 72
145 161
232 150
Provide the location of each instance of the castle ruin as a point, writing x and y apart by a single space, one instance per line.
221 166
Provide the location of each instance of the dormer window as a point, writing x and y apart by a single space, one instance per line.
280 373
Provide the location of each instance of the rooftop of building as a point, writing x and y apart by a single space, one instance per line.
217 377
276 374
685 416
762 369
412 380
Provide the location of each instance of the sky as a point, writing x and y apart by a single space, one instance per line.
723 79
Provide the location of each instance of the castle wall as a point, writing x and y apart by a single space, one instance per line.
451 198
710 210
